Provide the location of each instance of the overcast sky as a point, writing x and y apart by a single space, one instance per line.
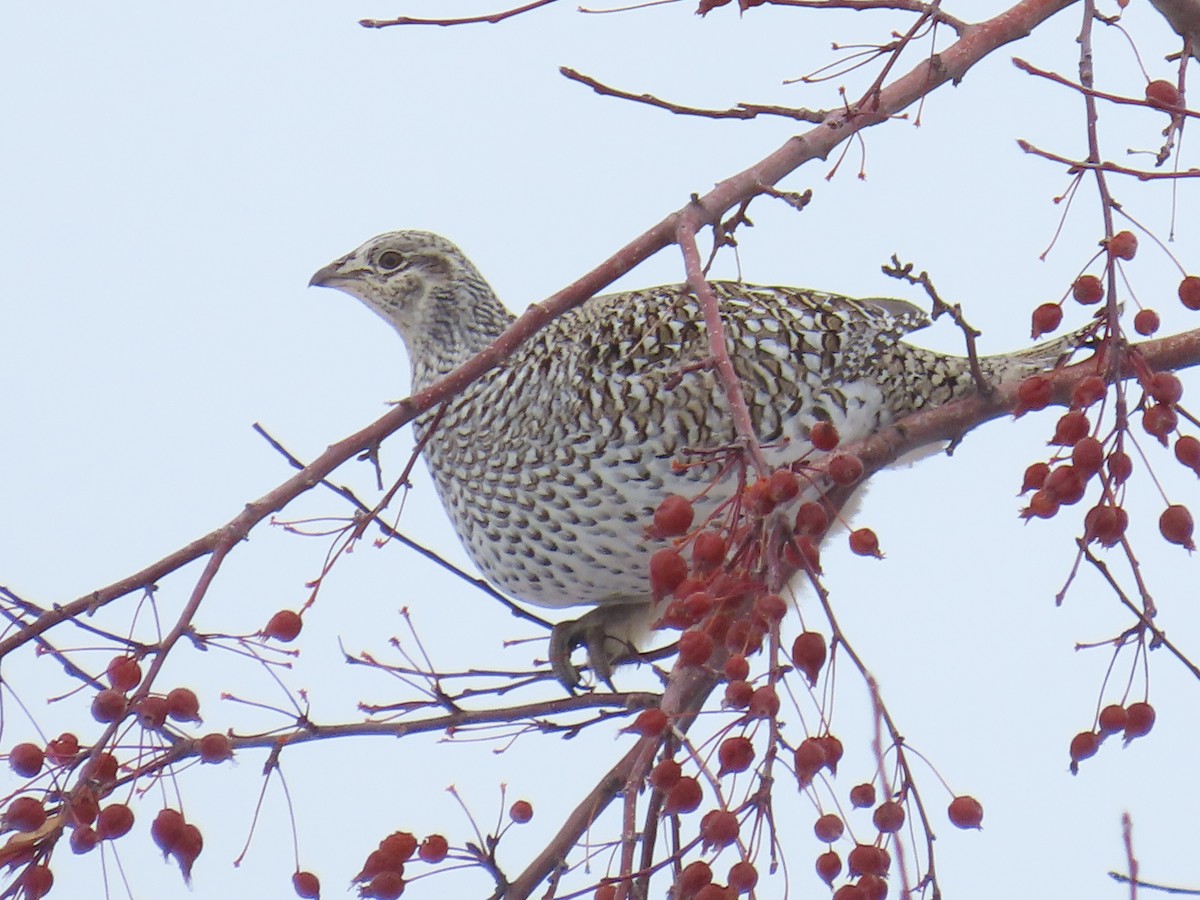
170 177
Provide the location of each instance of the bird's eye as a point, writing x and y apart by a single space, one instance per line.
390 259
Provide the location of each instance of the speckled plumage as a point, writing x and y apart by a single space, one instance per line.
550 465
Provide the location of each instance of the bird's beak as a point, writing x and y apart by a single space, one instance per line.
332 274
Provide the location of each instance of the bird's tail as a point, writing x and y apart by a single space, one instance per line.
1039 357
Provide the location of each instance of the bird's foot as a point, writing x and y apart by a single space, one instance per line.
605 635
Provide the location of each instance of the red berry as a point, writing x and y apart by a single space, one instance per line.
1165 387
25 814
83 839
864 542
1146 322
1087 289
802 553
1175 523
735 755
1123 245
605 892
743 876
152 711
386 885
694 877
1035 392
166 829
1083 745
824 436
37 881
829 828
521 812
1112 719
708 550
306 885
1087 456
783 485
1105 524
833 751
183 705
1090 390
1120 466
764 702
434 848
108 705
829 866
811 518
867 859
26 759
845 469
1139 719
214 748
1163 95
1187 451
1035 476
284 626
684 796
1071 427
719 828
1066 485
649 723
1189 291
889 817
862 795
123 673
667 571
62 749
1043 504
188 849
102 768
673 516
737 668
808 654
665 775
695 648
114 821
738 694
399 846
965 812
770 607
872 887
1046 318
809 759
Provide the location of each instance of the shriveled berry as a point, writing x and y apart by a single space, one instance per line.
684 796
434 848
1046 318
694 876
1146 322
1189 292
811 518
123 673
862 795
829 866
1175 523
1139 719
743 876
108 705
1187 451
1112 719
783 485
673 516
668 569
284 626
1123 245
695 648
114 821
306 885
1071 427
808 654
824 436
24 814
1087 289
889 817
62 749
649 723
864 542
719 828
183 705
965 812
26 759
829 828
708 550
738 694
1083 746
666 774
735 754
1163 95
1034 393
521 812
214 748
845 469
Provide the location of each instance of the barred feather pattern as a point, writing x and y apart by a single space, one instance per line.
550 465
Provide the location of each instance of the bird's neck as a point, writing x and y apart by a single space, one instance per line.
456 324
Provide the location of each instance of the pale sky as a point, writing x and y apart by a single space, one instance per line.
171 177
